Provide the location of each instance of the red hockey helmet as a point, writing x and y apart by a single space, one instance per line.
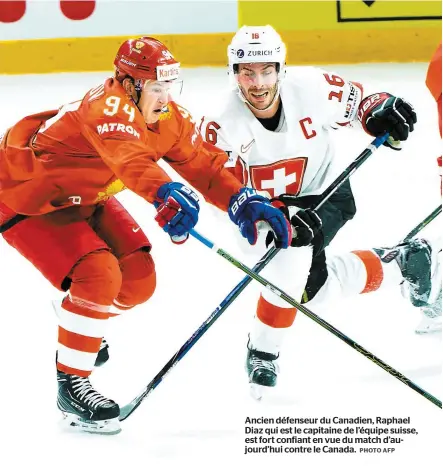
146 58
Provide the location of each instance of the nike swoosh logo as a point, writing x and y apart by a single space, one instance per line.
135 229
244 149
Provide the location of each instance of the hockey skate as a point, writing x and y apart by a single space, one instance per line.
419 265
262 370
84 408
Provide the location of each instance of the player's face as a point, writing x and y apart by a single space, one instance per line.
258 82
154 98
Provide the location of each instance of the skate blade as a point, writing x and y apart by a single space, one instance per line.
259 392
108 427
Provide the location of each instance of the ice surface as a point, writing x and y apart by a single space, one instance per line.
197 414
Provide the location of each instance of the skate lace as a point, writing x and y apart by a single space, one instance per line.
259 363
83 389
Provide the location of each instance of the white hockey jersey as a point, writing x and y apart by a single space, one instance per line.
297 157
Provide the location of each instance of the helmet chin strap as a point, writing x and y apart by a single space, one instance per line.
138 86
246 101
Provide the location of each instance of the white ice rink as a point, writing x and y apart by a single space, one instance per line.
196 415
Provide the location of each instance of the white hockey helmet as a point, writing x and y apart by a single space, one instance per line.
256 44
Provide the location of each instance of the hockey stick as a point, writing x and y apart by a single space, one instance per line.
128 409
423 223
281 294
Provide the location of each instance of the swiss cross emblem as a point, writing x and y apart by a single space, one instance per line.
285 176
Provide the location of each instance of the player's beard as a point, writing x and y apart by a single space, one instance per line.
267 101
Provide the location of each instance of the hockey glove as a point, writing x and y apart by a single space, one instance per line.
384 113
248 208
177 210
306 223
